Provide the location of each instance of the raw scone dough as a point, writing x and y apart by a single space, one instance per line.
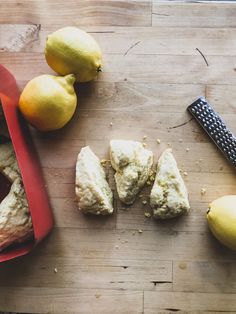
169 196
132 163
15 219
92 190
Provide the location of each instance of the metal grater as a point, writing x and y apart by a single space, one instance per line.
215 128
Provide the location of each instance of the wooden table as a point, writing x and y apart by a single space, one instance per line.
152 71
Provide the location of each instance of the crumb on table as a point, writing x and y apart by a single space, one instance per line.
148 215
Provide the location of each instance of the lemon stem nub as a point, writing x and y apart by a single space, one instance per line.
70 78
99 69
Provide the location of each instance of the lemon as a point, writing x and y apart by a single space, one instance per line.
48 102
72 50
221 218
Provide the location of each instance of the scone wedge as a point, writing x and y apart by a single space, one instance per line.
15 220
169 195
92 191
132 163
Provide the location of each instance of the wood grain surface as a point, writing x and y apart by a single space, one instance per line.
152 72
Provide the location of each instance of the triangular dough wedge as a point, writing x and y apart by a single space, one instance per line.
169 196
132 163
93 193
15 220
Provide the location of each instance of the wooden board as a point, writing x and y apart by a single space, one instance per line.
152 72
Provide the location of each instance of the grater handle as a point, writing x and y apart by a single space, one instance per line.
215 127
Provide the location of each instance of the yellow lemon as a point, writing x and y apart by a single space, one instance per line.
221 218
72 50
48 102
